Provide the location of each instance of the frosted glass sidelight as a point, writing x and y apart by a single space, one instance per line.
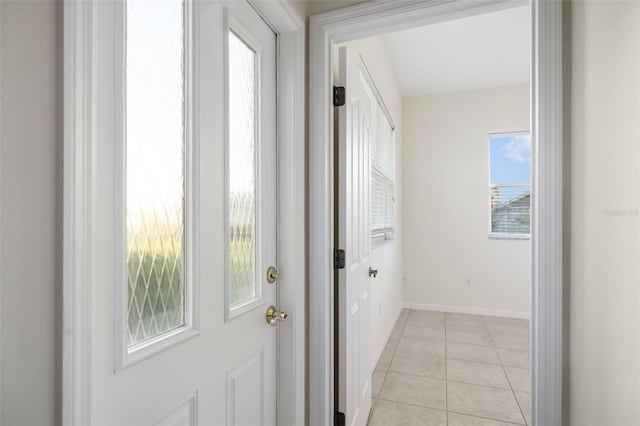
155 143
242 171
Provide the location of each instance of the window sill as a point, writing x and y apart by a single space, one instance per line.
381 239
498 236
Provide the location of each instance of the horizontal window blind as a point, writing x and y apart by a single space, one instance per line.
511 209
382 174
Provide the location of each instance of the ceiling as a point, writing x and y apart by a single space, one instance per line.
475 52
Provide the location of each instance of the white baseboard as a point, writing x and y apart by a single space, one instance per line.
466 310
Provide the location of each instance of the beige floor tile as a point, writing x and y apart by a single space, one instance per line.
506 321
415 390
456 419
524 400
397 329
486 354
426 317
420 347
424 331
376 382
481 401
373 407
419 365
520 343
400 322
387 413
520 378
508 330
385 360
419 313
392 343
473 337
476 373
465 322
450 316
514 358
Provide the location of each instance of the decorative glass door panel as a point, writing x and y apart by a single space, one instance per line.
242 107
155 168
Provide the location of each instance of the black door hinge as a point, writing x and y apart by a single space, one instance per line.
339 96
338 259
339 419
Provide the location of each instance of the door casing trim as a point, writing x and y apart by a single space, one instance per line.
79 109
383 16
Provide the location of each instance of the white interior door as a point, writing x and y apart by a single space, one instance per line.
354 370
185 222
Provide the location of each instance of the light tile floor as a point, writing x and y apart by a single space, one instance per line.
453 369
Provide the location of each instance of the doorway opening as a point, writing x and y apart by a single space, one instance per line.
433 206
419 219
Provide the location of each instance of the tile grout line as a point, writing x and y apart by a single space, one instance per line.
488 363
475 416
395 350
489 418
493 346
412 405
524 419
453 412
401 373
446 375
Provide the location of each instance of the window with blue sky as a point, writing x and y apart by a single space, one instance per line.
510 183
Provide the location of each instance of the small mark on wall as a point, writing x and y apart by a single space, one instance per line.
622 213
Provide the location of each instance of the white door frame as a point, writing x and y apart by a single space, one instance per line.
80 88
382 16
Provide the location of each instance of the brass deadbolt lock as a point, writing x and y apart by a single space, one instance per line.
272 274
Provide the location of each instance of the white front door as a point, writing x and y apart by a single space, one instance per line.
184 225
354 127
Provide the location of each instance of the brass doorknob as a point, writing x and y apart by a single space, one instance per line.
373 272
274 315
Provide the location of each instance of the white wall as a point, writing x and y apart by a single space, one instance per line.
604 222
30 223
449 261
386 290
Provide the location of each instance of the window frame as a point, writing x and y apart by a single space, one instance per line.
504 235
233 25
380 236
127 355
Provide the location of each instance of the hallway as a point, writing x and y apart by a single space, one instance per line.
453 369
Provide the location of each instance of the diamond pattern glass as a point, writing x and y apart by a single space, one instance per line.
242 171
154 168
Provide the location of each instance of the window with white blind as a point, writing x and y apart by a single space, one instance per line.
382 168
510 185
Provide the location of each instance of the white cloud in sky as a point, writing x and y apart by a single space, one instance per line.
519 149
